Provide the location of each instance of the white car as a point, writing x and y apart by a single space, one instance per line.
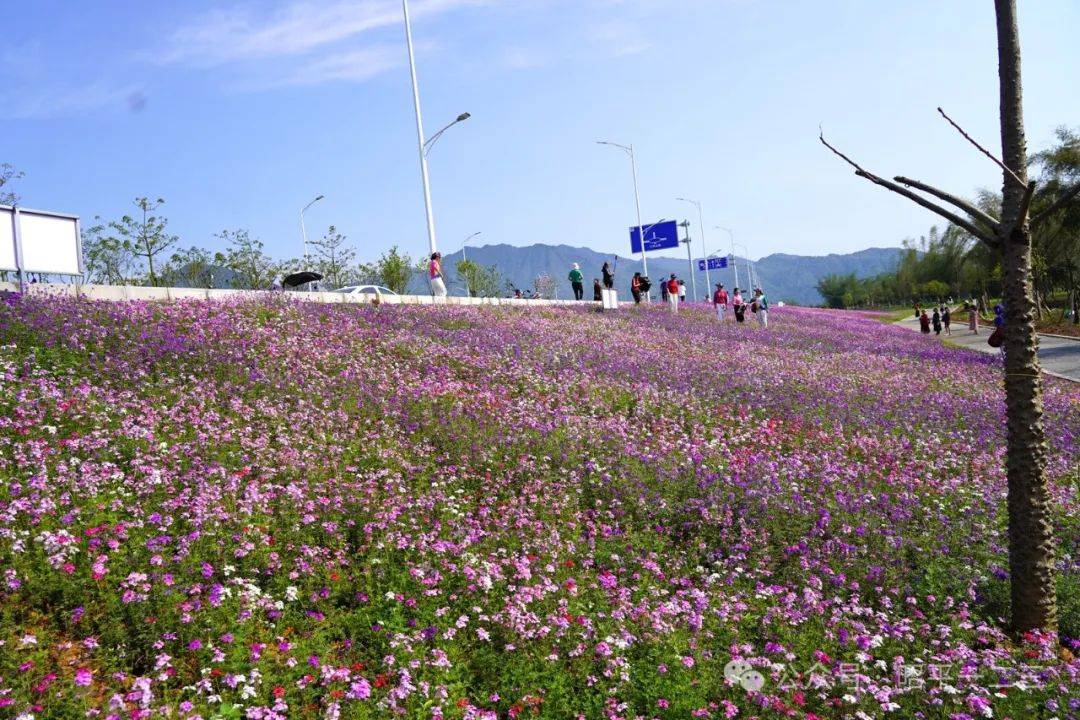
377 290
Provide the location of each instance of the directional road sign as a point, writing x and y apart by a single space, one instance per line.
715 263
660 236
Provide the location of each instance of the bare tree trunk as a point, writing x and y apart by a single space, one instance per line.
1031 541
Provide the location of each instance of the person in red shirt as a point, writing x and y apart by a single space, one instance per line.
673 293
720 300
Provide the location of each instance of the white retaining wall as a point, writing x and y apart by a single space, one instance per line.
138 292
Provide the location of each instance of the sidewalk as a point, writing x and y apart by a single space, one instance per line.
1059 356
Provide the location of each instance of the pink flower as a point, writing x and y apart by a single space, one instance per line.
83 677
688 661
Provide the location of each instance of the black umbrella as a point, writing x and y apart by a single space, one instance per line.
300 278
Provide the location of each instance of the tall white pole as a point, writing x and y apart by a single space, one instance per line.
751 274
641 228
701 222
734 265
419 131
690 262
303 232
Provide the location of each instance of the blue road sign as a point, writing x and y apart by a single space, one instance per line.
660 236
715 263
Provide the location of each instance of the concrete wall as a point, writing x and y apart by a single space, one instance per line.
133 292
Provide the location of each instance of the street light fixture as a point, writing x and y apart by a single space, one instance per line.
466 241
465 259
701 224
303 230
423 145
431 140
752 274
734 264
629 150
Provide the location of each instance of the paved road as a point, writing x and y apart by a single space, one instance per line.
1058 355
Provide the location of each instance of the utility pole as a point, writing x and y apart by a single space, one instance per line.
685 225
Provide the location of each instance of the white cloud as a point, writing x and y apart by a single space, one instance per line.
620 39
39 102
356 65
298 27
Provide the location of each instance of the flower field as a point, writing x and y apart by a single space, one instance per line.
272 509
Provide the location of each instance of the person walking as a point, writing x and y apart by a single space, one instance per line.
720 300
973 319
936 321
663 291
577 281
673 293
762 308
597 291
608 275
999 328
435 276
682 291
738 306
635 288
924 323
946 319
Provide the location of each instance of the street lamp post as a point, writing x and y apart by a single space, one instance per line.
303 230
629 150
751 274
466 242
466 259
701 224
423 145
685 225
734 264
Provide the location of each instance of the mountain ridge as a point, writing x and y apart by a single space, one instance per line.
784 276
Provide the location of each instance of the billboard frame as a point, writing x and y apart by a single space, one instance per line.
17 212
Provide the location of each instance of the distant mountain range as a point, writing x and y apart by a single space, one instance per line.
792 278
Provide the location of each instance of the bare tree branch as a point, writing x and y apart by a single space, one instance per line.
983 150
1064 199
917 199
952 199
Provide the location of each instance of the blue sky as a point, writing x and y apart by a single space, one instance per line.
238 113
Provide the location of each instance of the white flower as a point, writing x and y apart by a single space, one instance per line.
291 593
27 640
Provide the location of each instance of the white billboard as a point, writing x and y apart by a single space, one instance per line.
7 239
39 242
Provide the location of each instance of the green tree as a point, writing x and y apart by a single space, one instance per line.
8 175
334 259
481 280
107 259
837 290
193 267
395 269
145 234
252 268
